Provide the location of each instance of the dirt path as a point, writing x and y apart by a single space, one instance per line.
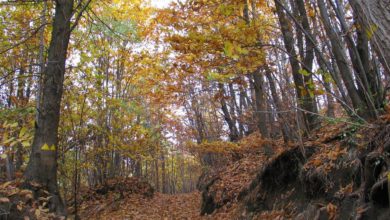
161 206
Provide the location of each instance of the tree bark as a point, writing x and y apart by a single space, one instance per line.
261 104
374 15
338 50
163 174
233 132
279 107
305 101
42 167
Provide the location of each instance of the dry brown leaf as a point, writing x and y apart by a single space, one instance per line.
25 192
4 200
332 211
6 184
19 206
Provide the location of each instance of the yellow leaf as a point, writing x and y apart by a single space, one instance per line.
22 132
13 125
228 48
9 140
37 213
6 184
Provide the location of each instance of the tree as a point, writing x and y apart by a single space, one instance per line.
306 101
42 167
374 18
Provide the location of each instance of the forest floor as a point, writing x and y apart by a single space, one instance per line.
133 198
341 177
161 206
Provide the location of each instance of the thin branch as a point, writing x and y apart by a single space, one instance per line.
80 14
35 32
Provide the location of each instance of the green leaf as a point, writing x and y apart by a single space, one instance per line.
3 156
25 143
243 51
311 93
226 10
310 85
304 72
371 31
328 77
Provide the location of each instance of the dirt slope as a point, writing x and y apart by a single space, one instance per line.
341 172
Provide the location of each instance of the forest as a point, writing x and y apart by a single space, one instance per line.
195 109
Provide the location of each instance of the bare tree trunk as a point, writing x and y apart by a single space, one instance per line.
304 99
20 94
234 109
156 175
42 167
281 119
375 17
261 104
9 167
163 174
41 60
338 50
233 133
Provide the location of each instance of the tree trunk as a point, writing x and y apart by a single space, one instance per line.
233 133
157 176
163 174
281 119
338 50
261 104
360 59
305 101
375 17
42 167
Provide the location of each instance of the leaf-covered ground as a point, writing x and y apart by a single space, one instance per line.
160 206
250 185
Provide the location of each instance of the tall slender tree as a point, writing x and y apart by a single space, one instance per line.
42 167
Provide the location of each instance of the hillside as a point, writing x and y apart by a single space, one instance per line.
343 175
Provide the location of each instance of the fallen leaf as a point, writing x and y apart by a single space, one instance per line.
4 200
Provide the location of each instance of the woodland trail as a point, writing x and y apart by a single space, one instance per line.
161 206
